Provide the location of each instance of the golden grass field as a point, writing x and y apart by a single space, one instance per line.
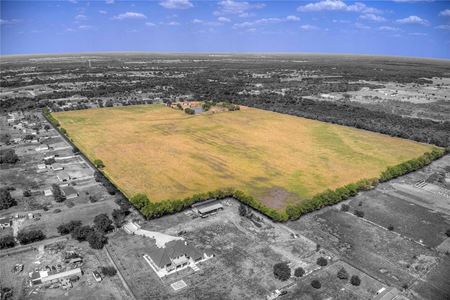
276 158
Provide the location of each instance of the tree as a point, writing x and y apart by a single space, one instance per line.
67 228
355 280
80 233
99 163
26 237
118 216
57 193
96 239
243 210
102 223
322 261
109 271
316 284
8 156
189 111
282 271
299 272
359 213
447 233
6 201
7 242
342 273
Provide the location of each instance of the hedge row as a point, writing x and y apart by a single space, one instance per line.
329 197
49 117
411 165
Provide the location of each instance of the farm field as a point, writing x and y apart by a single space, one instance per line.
276 158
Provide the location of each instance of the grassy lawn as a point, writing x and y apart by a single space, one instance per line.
278 159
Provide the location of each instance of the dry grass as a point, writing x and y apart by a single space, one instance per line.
277 158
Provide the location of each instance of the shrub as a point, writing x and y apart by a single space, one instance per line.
342 273
98 163
359 213
57 193
316 284
189 111
92 199
345 207
102 223
242 210
26 237
118 216
6 201
390 227
355 280
322 261
80 233
447 233
7 242
96 239
69 227
8 156
109 271
282 271
26 193
299 272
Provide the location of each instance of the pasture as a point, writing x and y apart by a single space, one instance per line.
276 158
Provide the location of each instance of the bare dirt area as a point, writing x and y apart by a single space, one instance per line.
380 253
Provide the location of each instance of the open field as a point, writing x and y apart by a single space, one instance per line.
276 158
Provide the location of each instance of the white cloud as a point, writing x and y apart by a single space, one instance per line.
129 15
413 20
388 28
418 34
172 23
10 21
109 1
85 27
292 18
445 13
372 17
240 8
207 23
341 21
80 17
223 19
264 21
150 24
337 5
103 12
412 1
443 27
176 4
362 26
308 27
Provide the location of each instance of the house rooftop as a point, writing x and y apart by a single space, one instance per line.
172 250
210 208
68 190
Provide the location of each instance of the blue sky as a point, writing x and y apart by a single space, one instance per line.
395 27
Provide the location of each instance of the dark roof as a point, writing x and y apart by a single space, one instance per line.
68 190
173 249
4 220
